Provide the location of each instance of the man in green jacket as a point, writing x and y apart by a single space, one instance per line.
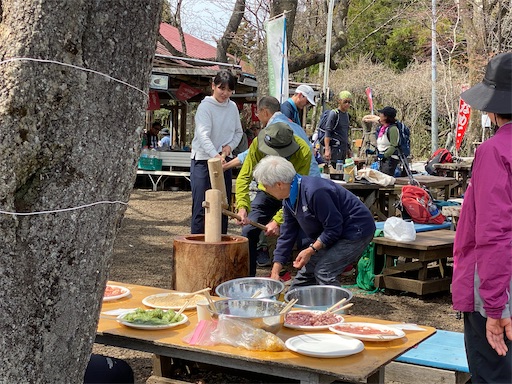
277 140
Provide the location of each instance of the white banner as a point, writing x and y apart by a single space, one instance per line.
277 58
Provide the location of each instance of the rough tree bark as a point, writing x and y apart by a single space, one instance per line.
69 138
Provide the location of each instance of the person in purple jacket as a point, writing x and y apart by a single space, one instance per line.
482 274
340 223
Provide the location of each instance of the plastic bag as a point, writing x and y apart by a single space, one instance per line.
400 230
240 334
375 177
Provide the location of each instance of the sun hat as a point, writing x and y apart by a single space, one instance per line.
277 140
388 111
165 132
494 93
307 91
345 95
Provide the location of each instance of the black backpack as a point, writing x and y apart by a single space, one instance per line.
404 141
322 123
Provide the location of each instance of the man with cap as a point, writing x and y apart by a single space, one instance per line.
482 274
336 144
278 140
292 108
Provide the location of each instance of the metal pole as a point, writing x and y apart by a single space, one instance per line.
435 129
327 64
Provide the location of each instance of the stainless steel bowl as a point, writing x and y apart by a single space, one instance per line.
317 297
261 314
246 287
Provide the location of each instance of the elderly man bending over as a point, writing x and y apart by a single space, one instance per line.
325 211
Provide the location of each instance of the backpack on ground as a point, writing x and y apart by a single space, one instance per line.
324 117
440 156
420 206
404 140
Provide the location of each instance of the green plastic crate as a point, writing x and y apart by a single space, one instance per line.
150 164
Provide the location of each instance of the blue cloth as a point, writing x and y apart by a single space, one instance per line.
297 129
421 227
324 211
444 350
289 109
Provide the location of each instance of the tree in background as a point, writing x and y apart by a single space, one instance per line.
73 92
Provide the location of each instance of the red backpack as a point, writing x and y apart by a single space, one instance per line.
440 156
419 205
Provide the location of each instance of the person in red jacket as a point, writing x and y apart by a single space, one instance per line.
482 275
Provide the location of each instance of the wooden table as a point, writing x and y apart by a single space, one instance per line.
460 171
368 193
432 182
416 273
366 366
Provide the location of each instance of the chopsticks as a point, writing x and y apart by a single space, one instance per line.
288 306
183 307
192 294
342 308
331 308
210 302
256 294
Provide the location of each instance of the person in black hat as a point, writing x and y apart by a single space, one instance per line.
388 138
482 274
276 139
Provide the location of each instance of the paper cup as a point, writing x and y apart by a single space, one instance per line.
202 310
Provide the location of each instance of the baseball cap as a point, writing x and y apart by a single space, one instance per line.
494 92
165 132
388 111
277 140
307 91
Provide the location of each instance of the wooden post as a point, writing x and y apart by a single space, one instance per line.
217 178
213 216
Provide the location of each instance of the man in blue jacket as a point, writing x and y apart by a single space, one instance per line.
292 108
340 223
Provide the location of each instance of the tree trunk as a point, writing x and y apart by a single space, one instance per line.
70 137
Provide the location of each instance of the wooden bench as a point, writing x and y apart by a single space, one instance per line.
439 359
175 161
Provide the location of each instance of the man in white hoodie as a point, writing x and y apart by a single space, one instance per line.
218 131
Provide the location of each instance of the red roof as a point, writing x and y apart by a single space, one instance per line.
195 48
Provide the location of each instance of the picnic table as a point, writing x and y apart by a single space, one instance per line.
433 183
364 367
460 171
424 269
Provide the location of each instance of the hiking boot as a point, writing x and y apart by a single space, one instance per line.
263 258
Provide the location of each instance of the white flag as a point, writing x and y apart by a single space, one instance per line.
277 58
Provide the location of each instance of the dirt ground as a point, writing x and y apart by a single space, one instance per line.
142 255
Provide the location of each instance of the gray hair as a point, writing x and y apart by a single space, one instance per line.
274 169
270 103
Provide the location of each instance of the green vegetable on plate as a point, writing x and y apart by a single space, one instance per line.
152 317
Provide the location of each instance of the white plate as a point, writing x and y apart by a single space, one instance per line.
176 300
311 327
121 320
125 292
397 333
324 345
